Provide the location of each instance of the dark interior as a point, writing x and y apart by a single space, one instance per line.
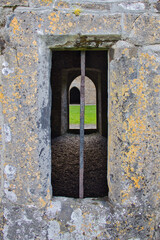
74 96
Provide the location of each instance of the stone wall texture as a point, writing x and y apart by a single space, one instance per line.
130 31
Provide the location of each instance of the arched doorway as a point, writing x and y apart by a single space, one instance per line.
74 95
90 115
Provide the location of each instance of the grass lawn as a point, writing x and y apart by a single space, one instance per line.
90 114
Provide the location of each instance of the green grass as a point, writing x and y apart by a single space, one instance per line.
90 114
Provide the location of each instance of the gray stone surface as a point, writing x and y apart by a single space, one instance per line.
67 218
29 31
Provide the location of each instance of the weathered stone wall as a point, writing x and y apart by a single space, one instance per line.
130 30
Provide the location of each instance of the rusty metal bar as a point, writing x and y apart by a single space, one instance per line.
82 106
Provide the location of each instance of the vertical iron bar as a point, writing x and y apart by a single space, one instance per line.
82 105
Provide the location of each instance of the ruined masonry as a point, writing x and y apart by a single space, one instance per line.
30 31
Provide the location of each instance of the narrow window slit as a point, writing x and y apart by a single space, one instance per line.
70 146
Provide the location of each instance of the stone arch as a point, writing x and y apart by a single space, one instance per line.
90 89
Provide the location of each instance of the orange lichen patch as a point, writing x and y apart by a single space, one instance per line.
126 52
124 195
85 214
156 79
136 181
34 43
70 24
19 54
42 202
46 2
12 3
15 25
156 90
158 196
12 119
1 96
50 205
4 111
68 15
63 4
131 70
139 228
54 17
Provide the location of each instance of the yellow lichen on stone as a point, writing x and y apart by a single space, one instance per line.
70 24
42 202
124 196
54 20
136 181
1 96
46 2
15 25
63 4
77 11
54 17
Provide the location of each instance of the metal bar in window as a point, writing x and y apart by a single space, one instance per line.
82 106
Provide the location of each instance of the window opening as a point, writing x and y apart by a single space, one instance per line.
74 95
68 177
90 118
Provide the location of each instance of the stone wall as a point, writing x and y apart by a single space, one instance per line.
130 31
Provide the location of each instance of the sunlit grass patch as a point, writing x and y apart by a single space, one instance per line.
90 114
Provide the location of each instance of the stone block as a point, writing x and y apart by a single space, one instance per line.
133 102
62 4
142 29
41 3
4 13
20 29
133 6
59 23
13 3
